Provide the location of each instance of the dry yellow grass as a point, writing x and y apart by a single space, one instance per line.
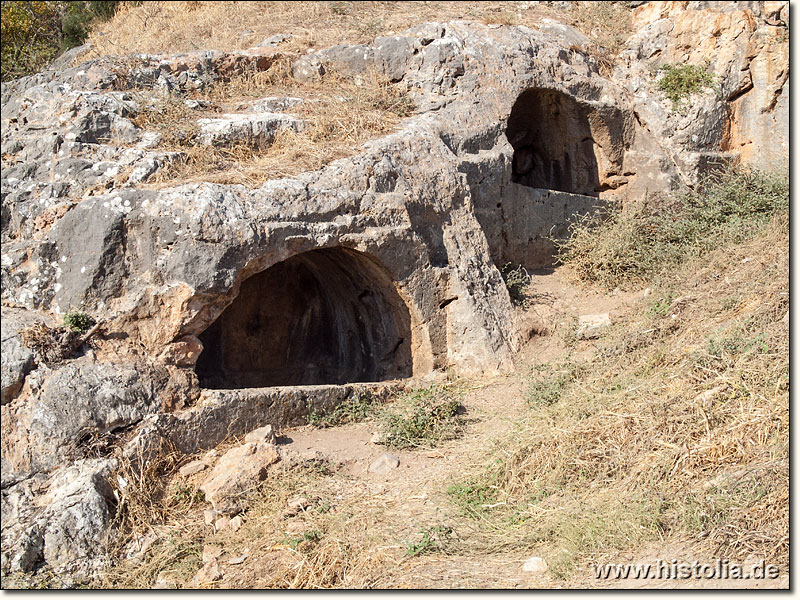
167 27
678 429
342 113
339 540
373 107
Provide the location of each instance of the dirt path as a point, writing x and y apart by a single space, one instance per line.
392 510
412 496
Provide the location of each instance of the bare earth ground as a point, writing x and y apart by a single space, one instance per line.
394 508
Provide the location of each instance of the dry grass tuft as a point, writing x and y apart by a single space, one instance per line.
342 113
170 116
157 515
650 237
334 542
147 495
607 24
51 344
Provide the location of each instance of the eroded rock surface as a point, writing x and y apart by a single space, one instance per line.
65 526
238 471
744 114
516 133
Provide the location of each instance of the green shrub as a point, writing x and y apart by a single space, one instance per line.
645 239
78 322
681 81
517 281
36 32
31 37
351 411
77 19
422 418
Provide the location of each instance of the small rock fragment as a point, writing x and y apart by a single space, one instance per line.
384 464
274 40
262 434
535 565
208 573
295 527
237 471
298 503
209 516
163 582
591 326
211 552
236 522
311 454
238 560
192 468
222 523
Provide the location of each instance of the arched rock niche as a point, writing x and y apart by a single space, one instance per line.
327 316
553 144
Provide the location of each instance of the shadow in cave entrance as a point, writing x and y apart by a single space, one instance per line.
553 144
327 316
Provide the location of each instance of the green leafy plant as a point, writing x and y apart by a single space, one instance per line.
423 418
353 410
473 497
434 539
736 341
185 493
679 82
548 383
79 322
661 306
517 281
293 541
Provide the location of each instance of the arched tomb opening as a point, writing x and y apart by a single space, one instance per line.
553 144
326 316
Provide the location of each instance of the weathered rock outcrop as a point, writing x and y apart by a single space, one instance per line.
745 116
387 259
72 408
62 522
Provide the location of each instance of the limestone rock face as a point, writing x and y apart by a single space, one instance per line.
258 129
65 526
72 408
17 359
378 267
745 114
238 471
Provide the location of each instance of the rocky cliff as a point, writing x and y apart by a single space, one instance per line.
379 267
